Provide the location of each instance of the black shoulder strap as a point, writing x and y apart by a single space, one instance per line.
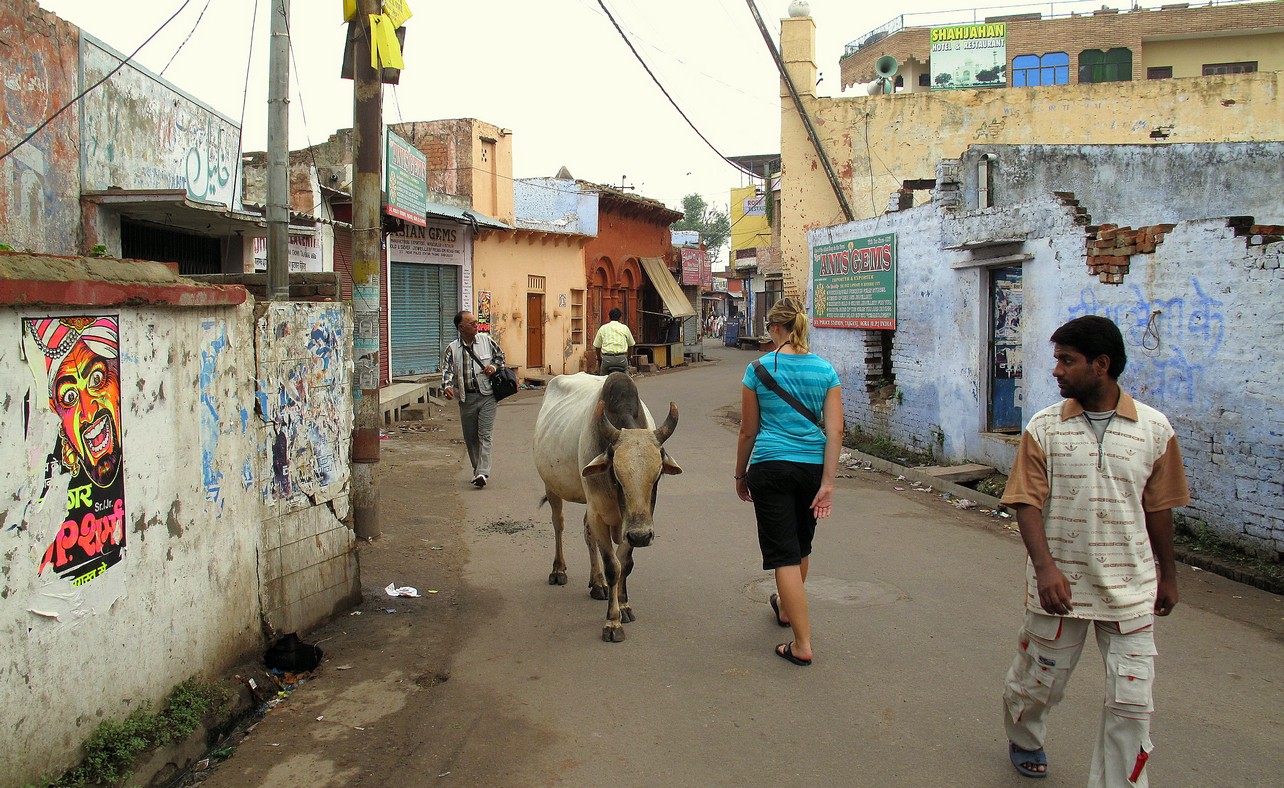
469 350
790 399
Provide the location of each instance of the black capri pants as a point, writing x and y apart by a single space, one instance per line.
782 494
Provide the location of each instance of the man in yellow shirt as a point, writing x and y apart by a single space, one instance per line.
612 344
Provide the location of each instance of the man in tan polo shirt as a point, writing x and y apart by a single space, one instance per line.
1094 484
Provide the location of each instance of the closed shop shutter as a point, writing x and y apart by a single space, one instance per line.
423 312
343 261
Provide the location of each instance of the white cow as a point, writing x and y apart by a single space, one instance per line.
596 444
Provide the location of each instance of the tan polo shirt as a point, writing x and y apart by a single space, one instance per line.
1094 508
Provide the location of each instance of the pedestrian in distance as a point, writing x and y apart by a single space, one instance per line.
787 460
1094 484
612 344
465 374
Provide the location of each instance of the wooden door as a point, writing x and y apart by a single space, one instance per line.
535 330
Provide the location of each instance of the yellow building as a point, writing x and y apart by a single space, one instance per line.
881 144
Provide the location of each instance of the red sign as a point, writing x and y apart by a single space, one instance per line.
695 267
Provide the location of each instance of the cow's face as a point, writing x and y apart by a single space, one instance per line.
636 460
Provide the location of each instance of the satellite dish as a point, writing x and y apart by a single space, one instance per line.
886 67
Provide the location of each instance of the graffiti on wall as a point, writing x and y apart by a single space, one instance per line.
210 473
303 393
76 365
141 133
1169 340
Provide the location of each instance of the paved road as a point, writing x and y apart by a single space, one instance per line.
915 607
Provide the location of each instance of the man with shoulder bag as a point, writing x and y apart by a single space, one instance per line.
466 375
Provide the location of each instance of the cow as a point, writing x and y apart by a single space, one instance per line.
596 444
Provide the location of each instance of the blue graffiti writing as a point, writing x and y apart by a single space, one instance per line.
211 475
1169 340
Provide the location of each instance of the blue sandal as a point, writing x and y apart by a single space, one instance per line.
1023 759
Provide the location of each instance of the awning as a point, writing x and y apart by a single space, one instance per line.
173 208
670 293
439 210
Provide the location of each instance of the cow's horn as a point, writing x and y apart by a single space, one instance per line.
608 430
670 424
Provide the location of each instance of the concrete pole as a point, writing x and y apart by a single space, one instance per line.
278 185
367 224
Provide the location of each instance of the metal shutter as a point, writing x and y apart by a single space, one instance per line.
423 311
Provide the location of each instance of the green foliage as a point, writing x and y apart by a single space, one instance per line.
98 250
714 224
885 448
115 745
5 247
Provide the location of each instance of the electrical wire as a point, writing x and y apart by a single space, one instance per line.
92 87
189 37
245 93
658 84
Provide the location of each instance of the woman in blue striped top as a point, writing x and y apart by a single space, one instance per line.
786 463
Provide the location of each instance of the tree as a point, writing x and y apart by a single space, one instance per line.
713 224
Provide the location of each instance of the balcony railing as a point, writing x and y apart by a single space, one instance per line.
1049 10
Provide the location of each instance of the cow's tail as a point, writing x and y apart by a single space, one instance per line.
543 499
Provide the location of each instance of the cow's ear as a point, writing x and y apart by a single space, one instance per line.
668 466
600 464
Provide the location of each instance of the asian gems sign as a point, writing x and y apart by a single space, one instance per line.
853 283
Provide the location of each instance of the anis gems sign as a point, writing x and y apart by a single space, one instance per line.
853 283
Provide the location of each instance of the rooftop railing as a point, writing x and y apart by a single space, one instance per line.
1049 10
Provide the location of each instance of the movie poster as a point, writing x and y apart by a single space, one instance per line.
76 365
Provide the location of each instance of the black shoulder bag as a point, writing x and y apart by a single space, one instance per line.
503 383
790 399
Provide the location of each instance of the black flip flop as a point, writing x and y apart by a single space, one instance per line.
775 606
786 651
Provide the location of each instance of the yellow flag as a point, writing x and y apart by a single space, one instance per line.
349 10
397 11
383 43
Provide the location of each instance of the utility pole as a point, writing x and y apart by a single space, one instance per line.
367 234
278 185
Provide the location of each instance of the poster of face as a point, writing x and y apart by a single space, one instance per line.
483 310
76 365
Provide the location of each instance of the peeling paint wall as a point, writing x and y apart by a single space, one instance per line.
874 143
40 181
139 132
230 435
1119 183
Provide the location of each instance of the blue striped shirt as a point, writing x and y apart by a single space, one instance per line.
783 433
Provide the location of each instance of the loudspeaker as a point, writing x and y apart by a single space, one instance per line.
886 67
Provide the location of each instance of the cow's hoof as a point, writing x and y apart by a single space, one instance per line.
597 592
557 579
613 633
626 615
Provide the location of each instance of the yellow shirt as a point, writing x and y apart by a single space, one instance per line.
613 338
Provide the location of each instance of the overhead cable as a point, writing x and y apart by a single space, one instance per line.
666 92
91 88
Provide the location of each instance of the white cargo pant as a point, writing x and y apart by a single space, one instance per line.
1049 650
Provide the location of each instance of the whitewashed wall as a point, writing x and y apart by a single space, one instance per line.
1210 360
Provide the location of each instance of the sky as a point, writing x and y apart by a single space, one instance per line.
556 72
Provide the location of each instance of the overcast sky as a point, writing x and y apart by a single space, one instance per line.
556 72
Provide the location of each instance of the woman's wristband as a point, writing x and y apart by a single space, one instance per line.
738 476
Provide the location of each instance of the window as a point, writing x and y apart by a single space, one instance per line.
1114 65
1052 68
1159 72
1247 67
925 80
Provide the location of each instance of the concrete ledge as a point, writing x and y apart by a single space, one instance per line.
399 395
928 480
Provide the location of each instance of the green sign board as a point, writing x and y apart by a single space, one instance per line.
406 175
853 283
